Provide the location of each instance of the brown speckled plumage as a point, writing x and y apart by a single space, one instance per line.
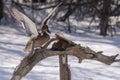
38 42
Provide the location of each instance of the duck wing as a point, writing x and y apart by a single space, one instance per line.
26 22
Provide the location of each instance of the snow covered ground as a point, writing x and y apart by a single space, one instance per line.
12 42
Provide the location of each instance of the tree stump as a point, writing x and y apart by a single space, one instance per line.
65 73
76 50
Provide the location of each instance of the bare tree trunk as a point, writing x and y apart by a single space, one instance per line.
104 17
103 25
65 73
35 1
42 1
32 10
1 9
69 26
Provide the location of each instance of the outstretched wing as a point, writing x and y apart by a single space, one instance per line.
49 15
27 24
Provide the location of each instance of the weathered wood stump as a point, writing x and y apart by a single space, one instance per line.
65 73
73 49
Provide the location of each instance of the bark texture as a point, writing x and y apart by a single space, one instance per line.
80 52
65 73
76 50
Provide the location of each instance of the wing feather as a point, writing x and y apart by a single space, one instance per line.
49 15
27 23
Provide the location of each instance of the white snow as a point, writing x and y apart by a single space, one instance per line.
12 42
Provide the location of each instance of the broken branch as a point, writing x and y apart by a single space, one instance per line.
65 47
80 52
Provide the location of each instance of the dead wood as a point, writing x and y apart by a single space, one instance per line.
64 69
76 50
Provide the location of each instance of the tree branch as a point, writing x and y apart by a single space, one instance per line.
80 52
